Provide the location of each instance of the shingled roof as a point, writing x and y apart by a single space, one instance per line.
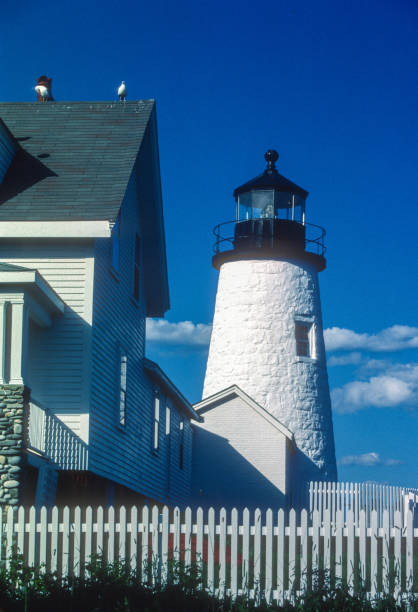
74 158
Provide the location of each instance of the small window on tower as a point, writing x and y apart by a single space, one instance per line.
302 333
156 432
122 388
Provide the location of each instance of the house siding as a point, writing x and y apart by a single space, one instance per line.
125 454
59 357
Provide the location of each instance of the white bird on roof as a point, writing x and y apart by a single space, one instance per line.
122 91
42 91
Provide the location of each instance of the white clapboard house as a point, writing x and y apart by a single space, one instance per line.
84 415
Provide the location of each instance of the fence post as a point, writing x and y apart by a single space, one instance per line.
88 538
133 543
339 533
188 539
374 518
350 549
122 534
65 541
409 551
304 551
164 546
397 567
145 568
199 540
386 546
362 547
155 538
292 552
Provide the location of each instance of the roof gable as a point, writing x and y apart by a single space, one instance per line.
218 398
74 159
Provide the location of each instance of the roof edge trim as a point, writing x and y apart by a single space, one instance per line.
237 391
156 373
55 229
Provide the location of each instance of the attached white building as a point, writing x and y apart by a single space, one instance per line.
243 456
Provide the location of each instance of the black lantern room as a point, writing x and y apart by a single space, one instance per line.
270 220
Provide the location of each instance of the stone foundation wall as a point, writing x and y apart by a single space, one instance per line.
13 399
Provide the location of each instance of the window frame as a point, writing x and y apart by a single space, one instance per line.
156 421
309 323
123 377
181 443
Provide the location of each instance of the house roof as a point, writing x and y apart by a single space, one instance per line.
74 158
156 374
218 398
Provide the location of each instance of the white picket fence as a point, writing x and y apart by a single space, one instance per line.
349 496
273 554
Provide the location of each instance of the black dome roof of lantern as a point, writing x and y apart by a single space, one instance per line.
271 179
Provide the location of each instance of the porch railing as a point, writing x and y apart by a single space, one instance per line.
50 437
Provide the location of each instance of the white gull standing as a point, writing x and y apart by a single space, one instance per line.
122 91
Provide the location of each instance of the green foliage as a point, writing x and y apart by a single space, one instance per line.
114 587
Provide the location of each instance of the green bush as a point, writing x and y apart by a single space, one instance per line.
114 587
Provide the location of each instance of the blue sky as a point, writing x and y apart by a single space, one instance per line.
332 86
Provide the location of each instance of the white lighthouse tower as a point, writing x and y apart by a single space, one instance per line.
267 333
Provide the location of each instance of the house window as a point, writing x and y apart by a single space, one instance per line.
303 343
116 244
156 436
181 449
167 420
122 392
137 262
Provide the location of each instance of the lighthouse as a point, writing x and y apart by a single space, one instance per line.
267 336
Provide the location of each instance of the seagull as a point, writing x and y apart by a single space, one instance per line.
43 92
122 91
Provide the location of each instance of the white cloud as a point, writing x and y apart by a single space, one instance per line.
395 338
181 333
397 386
368 460
349 358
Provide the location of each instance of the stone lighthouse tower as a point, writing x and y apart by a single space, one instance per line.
267 333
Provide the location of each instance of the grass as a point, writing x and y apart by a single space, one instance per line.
114 587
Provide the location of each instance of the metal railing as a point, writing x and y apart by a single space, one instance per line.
225 238
50 437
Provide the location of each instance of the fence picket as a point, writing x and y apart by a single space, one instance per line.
155 540
122 534
374 585
88 536
234 552
222 552
339 531
327 544
257 554
54 539
111 528
245 550
211 550
304 550
409 551
9 535
199 538
100 531
362 546
145 565
65 541
292 550
76 541
280 555
133 540
177 534
20 530
269 555
32 537
397 554
164 545
385 551
188 538
350 549
315 543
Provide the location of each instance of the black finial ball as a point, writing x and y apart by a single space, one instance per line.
271 156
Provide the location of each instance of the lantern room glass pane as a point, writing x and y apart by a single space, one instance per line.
263 204
244 206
